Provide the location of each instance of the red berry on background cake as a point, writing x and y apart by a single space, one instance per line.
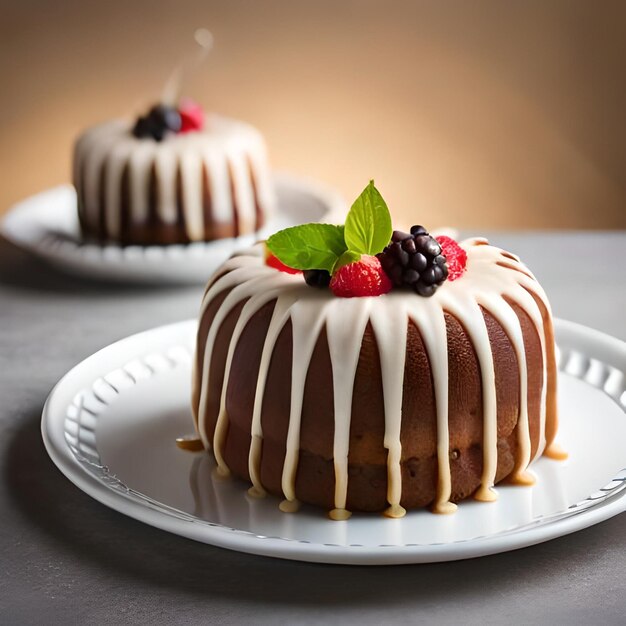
361 278
191 116
162 118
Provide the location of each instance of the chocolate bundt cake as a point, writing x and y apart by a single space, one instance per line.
379 403
172 177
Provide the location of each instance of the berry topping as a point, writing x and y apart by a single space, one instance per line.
418 230
365 256
317 278
191 116
160 119
415 260
456 257
324 250
361 278
273 261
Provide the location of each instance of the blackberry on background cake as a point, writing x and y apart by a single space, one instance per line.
358 368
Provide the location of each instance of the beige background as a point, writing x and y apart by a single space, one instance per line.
475 114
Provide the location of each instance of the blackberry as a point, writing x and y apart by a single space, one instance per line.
414 259
317 278
159 119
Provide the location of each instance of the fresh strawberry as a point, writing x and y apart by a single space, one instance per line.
456 257
191 116
273 261
361 278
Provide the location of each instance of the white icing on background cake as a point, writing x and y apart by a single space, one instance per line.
231 154
493 278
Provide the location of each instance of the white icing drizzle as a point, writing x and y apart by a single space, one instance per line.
256 301
466 308
280 315
506 317
429 320
141 160
391 337
345 320
307 319
524 298
493 281
232 153
239 292
116 160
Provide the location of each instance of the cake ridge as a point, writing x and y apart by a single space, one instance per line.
510 323
280 315
391 339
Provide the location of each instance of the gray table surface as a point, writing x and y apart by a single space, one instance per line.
66 559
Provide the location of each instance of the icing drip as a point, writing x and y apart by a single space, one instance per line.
346 320
289 506
279 318
506 317
190 443
467 309
552 450
391 334
556 452
494 282
229 302
171 181
430 321
307 320
525 293
255 302
339 515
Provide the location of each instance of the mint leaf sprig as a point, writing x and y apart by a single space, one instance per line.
327 247
308 246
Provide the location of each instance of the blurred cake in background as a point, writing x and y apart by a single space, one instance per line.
174 175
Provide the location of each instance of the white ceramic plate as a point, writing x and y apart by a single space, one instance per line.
111 423
47 225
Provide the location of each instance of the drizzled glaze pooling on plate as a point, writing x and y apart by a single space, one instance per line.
494 281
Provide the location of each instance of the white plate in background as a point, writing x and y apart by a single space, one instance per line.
47 225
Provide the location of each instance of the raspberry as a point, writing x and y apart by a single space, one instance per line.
414 259
361 278
456 257
191 116
273 261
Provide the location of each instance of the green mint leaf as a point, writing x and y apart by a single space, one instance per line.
308 246
368 224
346 258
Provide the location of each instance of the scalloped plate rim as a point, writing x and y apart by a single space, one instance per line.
291 549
